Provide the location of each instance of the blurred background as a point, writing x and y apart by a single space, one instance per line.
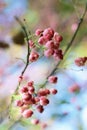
68 109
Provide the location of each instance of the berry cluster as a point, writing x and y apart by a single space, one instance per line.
50 40
30 97
80 61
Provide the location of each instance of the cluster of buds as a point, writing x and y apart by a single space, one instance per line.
50 41
30 97
80 61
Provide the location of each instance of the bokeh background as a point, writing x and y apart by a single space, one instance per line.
67 110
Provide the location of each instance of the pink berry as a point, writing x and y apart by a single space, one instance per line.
35 121
23 90
37 99
44 101
26 97
31 90
57 37
49 44
43 92
38 32
27 113
48 52
47 91
80 61
48 33
53 79
40 108
53 91
42 40
33 100
30 83
19 103
58 53
33 56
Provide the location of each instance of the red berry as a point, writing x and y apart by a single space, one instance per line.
42 40
57 37
40 108
26 97
53 91
80 61
27 113
38 32
30 83
19 103
23 90
53 79
35 121
48 33
49 52
49 44
44 101
33 56
31 90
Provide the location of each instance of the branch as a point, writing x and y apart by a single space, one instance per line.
28 51
27 60
70 43
66 50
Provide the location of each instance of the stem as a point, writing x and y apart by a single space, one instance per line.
28 51
27 59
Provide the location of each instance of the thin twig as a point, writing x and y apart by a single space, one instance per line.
27 59
27 38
